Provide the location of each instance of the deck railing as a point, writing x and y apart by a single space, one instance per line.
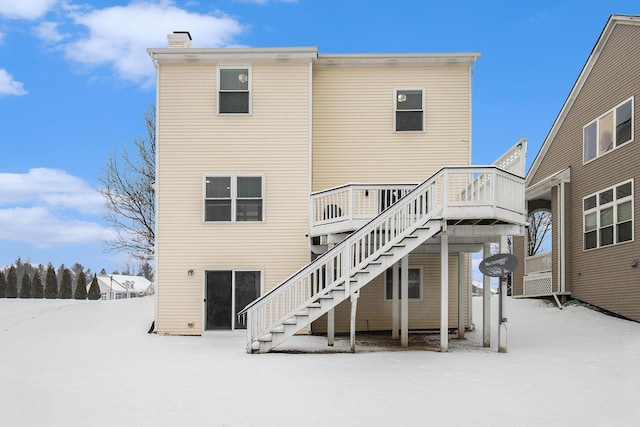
353 202
466 186
540 263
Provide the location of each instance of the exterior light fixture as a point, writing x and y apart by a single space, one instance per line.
402 97
190 272
243 78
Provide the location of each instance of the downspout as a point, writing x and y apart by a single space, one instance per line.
154 327
561 238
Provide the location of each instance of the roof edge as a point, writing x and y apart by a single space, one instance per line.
577 86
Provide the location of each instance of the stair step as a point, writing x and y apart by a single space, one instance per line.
255 345
302 313
325 296
386 254
265 338
290 321
277 329
410 236
314 305
339 288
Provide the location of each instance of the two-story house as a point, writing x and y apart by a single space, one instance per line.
585 175
268 159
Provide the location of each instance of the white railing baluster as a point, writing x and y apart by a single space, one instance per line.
450 187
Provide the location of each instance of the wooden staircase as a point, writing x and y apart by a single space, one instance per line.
324 301
458 193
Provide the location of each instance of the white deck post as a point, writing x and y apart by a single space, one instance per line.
502 325
404 301
354 309
395 323
486 302
444 293
461 295
331 326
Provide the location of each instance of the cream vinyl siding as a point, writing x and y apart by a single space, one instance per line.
375 313
602 277
194 141
353 131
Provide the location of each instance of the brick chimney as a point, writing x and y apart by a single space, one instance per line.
179 39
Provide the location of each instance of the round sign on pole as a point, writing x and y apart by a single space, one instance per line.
498 265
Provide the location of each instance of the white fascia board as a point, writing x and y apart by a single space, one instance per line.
399 59
234 55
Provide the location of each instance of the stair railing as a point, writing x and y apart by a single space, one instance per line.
336 266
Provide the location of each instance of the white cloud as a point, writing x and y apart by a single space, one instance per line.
25 9
9 86
38 226
45 207
2 38
119 36
48 31
49 187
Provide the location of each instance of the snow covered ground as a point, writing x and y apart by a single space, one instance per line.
91 363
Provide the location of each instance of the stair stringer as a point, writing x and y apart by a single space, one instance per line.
321 303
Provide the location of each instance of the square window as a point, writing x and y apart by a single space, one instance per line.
606 197
609 131
590 141
623 190
623 123
606 236
608 221
590 203
409 110
233 198
234 90
415 283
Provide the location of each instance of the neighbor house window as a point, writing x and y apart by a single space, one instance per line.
233 198
609 131
415 283
409 110
233 90
608 216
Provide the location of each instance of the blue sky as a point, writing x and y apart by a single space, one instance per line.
75 81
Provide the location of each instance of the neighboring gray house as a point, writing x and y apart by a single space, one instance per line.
586 175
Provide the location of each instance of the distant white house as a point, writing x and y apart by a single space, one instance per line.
119 286
477 288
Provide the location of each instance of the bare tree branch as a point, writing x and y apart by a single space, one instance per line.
127 186
538 232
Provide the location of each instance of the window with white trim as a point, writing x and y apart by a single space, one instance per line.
234 91
415 283
409 110
609 131
608 216
233 198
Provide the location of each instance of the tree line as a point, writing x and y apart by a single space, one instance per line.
23 280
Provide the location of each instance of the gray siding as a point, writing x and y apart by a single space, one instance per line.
602 277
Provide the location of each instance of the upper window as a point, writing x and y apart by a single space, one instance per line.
409 110
415 283
608 131
233 198
233 90
608 216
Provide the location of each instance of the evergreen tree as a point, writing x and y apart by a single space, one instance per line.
94 289
65 291
3 285
146 271
25 288
51 283
37 290
12 283
81 287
